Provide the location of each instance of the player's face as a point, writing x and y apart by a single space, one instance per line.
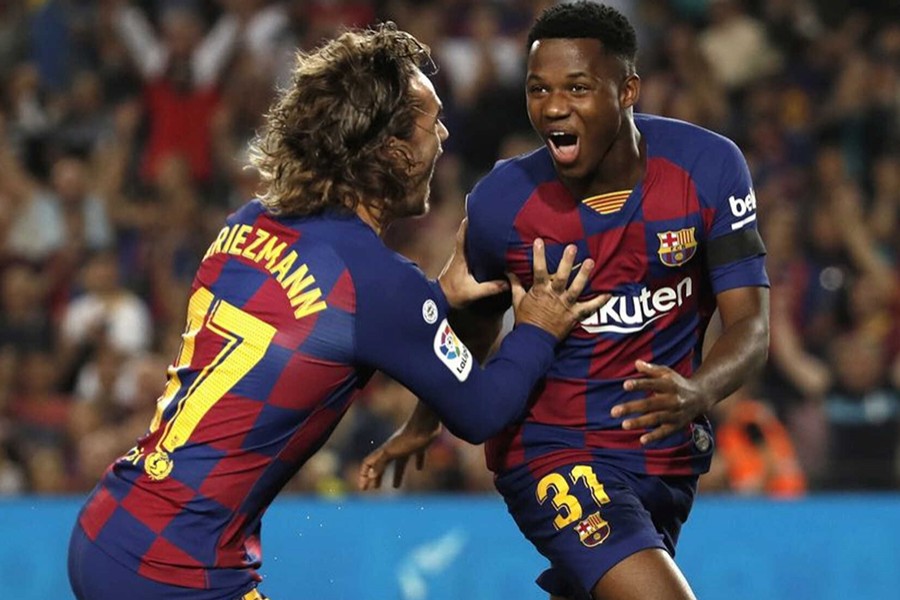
578 99
425 144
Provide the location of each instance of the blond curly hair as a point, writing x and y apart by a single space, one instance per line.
323 142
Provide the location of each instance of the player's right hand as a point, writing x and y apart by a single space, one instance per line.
459 286
549 304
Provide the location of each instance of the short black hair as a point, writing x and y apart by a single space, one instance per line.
584 19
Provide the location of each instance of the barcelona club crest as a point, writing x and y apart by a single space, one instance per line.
593 531
677 247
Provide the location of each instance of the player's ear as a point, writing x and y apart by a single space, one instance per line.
400 153
630 91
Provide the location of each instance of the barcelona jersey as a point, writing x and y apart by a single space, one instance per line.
287 319
663 250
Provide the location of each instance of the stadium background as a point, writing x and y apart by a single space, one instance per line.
123 127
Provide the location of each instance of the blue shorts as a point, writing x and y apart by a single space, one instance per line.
94 575
585 518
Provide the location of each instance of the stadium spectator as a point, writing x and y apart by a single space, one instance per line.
106 313
754 452
182 70
863 409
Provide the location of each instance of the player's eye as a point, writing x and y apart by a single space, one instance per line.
537 89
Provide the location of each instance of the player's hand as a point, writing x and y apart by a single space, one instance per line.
550 304
405 442
671 403
457 282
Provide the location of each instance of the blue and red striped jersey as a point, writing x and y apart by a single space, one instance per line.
664 249
287 319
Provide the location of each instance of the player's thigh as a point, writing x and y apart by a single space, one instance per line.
94 575
584 523
645 574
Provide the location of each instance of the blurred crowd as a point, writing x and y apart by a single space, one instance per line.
123 133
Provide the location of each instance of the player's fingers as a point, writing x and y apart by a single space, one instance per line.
629 408
369 471
399 470
663 431
362 478
581 279
588 307
649 384
650 420
461 234
518 291
420 460
561 277
651 369
489 288
539 262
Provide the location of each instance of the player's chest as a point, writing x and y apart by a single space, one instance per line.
639 235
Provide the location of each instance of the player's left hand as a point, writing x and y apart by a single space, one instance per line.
671 403
405 442
457 282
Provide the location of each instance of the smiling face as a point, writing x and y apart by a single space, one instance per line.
579 100
424 146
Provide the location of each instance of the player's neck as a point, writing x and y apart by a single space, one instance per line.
621 168
371 217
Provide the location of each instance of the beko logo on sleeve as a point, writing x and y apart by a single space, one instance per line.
452 351
744 209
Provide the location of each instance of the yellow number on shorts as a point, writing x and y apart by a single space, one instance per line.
590 479
247 339
567 505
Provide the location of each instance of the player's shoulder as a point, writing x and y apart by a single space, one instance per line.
512 181
358 246
496 200
248 213
687 145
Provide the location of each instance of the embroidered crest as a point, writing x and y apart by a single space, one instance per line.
592 531
677 247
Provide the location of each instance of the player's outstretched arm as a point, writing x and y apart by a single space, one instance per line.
484 401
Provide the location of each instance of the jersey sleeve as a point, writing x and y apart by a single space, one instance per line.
735 251
485 250
402 330
491 208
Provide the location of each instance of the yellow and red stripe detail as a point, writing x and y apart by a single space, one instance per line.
608 203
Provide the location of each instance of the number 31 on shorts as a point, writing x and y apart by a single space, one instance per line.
556 488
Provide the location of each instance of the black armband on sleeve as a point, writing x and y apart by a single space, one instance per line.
745 243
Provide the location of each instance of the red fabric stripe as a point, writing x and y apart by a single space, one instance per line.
166 562
97 513
549 203
158 507
672 195
343 293
306 381
560 402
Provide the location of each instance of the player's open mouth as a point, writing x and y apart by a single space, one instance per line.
564 147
